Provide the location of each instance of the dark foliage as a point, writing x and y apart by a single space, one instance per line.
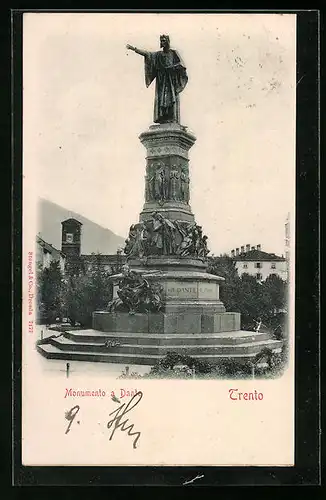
50 287
254 300
86 293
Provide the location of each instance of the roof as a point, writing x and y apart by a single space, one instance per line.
72 220
102 258
258 255
47 246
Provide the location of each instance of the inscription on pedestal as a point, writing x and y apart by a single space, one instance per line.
208 291
182 290
192 290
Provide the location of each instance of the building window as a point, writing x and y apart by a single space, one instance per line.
245 266
273 266
69 238
258 265
258 276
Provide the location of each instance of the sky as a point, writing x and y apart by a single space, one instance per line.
86 103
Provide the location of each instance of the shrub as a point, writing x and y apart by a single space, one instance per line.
169 361
230 368
175 365
200 366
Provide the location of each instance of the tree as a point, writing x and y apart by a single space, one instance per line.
86 293
275 289
246 295
251 302
275 295
224 266
49 293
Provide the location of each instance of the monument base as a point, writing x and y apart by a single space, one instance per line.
183 291
168 322
147 349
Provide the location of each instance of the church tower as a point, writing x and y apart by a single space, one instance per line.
71 242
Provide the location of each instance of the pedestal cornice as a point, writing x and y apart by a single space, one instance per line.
167 140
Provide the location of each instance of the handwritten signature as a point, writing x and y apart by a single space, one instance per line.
121 412
116 422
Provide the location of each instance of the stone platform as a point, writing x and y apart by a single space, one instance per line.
148 348
167 323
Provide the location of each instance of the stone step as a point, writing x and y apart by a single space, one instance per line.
66 344
53 352
226 338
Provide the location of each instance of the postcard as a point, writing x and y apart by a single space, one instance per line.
158 239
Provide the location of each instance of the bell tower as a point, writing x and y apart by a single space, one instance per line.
71 241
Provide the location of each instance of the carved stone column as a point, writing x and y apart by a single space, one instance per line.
167 171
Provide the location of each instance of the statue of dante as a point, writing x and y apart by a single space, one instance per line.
171 78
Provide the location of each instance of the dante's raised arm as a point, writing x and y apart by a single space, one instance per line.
138 51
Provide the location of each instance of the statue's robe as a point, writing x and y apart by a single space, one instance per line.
171 78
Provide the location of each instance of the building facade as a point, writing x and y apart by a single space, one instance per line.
46 253
252 260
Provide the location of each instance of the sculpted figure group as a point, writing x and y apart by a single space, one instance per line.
167 184
161 236
136 294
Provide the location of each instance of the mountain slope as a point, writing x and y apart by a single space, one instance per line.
94 238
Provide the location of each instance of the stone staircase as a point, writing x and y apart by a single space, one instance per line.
147 349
